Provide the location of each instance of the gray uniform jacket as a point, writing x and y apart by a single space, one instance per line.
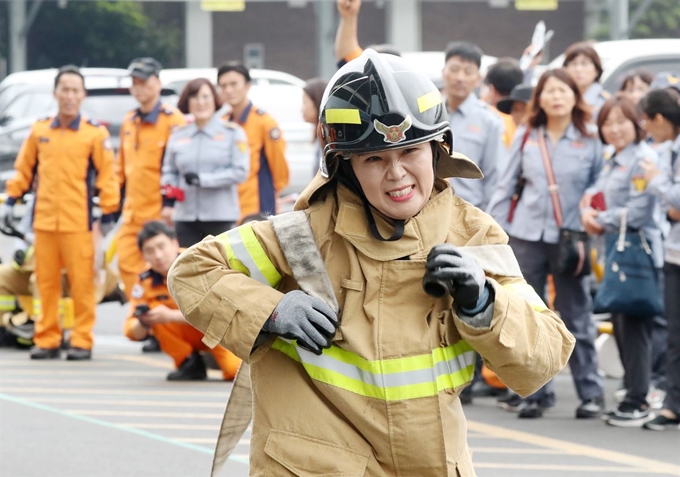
595 96
623 185
576 161
667 188
477 133
219 154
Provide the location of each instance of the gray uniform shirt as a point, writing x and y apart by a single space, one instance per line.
219 154
576 161
667 188
623 185
595 96
477 133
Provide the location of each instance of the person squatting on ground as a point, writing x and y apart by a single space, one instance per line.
383 376
205 160
153 309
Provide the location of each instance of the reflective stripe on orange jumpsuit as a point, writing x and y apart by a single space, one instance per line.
268 167
66 159
178 340
383 400
142 146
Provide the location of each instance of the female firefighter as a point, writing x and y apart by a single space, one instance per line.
373 390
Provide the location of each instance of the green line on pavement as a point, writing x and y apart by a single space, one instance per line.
110 425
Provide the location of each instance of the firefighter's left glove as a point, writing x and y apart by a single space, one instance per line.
450 269
7 215
192 179
107 223
304 318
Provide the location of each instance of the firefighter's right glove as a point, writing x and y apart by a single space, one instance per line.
304 318
7 215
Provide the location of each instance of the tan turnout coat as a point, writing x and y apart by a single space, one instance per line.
310 417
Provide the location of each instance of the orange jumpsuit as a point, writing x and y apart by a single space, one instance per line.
268 167
142 146
178 340
66 159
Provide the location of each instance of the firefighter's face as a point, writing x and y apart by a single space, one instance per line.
69 93
202 104
233 88
397 182
160 251
146 90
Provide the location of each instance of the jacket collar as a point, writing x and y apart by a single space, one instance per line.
156 278
244 115
466 107
211 129
151 117
75 124
421 232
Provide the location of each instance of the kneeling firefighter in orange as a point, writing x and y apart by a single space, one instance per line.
358 314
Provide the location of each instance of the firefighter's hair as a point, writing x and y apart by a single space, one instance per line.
152 229
504 75
466 51
583 48
236 66
627 109
191 90
68 70
665 102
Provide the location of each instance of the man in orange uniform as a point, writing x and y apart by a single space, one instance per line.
66 152
143 136
268 167
152 308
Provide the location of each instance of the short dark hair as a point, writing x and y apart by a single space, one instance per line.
583 48
236 66
191 90
466 51
665 102
645 75
152 229
68 70
629 111
504 75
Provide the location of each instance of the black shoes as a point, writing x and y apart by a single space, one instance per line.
534 409
192 369
78 354
630 415
45 353
660 422
511 403
152 345
590 408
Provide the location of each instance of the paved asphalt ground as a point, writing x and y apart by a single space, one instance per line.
117 417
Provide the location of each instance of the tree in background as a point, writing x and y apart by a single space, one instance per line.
661 20
102 34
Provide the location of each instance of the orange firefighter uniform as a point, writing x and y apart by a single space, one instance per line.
142 145
66 159
179 340
268 167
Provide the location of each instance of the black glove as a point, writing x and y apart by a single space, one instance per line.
192 179
304 318
450 270
107 223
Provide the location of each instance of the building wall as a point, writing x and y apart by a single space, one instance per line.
289 34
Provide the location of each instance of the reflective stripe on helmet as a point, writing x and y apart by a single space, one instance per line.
343 116
527 292
246 255
429 100
390 379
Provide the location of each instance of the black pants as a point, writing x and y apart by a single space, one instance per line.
672 302
634 333
190 233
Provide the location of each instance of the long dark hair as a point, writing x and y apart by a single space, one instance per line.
665 102
580 115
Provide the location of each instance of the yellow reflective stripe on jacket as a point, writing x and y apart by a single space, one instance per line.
527 292
391 379
7 303
246 255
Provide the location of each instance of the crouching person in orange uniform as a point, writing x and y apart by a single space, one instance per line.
152 308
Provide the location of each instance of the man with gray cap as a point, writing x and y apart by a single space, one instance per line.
143 136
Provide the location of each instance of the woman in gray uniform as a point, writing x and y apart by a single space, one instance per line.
557 118
203 164
623 186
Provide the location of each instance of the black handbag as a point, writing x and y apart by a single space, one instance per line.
573 248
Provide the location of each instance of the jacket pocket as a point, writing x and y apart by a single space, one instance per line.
216 327
303 456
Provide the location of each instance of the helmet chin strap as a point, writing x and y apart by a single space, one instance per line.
347 177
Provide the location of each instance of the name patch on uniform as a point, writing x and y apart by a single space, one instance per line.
219 137
184 140
475 128
578 144
137 291
43 139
